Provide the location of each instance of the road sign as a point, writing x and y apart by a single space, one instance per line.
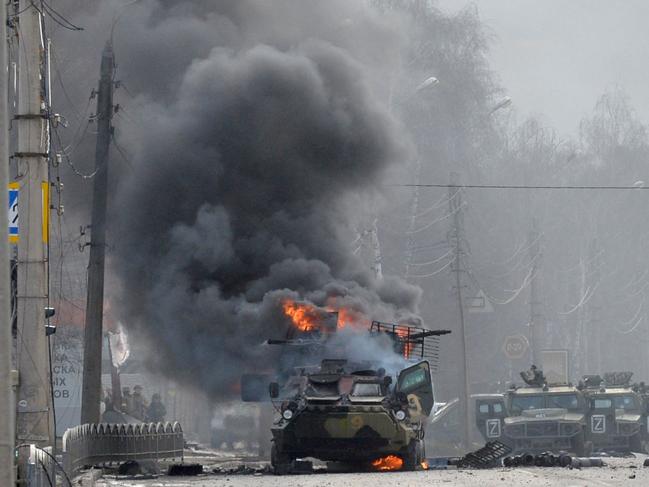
13 212
479 303
515 346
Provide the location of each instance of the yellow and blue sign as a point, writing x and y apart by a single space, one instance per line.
14 234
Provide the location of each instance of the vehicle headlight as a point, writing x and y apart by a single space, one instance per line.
287 414
400 415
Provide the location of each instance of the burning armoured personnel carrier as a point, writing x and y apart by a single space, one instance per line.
617 413
338 409
545 417
352 413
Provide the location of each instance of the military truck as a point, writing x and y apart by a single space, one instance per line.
545 417
617 413
351 413
642 390
491 411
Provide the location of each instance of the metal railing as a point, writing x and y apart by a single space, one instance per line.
96 444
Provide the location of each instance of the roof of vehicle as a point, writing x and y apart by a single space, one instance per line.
541 390
487 396
610 391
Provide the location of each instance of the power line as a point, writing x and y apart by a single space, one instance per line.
514 186
57 17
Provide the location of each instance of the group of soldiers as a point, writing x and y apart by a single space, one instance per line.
135 405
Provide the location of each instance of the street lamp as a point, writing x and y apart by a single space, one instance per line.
505 102
427 83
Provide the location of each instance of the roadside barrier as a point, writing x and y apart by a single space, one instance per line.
88 445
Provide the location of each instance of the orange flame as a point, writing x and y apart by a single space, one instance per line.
424 465
308 317
407 345
388 464
347 317
304 316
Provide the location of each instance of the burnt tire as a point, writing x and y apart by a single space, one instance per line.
281 462
414 456
636 445
582 447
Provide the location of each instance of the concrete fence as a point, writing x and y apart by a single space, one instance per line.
97 444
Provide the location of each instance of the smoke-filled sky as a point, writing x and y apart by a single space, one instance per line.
264 137
556 57
262 142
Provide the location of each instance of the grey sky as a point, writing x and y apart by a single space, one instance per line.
556 57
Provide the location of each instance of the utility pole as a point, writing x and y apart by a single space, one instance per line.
377 265
414 209
115 382
456 237
536 316
35 423
92 340
593 362
7 404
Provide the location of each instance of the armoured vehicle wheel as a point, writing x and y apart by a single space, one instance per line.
281 462
636 444
414 455
583 448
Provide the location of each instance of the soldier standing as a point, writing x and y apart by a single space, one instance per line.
139 404
127 401
156 411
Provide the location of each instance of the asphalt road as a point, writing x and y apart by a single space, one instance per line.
619 471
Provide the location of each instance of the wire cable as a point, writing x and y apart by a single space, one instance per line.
436 205
632 329
515 186
439 259
26 445
422 276
590 291
437 220
58 18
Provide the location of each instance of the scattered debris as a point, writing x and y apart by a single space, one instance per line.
242 470
302 467
548 459
131 467
587 462
486 457
441 463
185 470
138 467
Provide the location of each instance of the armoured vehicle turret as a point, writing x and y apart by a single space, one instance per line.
617 413
545 417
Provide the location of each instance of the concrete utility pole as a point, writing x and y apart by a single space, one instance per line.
7 404
456 236
536 316
377 265
35 423
593 360
414 209
93 334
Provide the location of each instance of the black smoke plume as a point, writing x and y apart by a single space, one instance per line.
263 139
